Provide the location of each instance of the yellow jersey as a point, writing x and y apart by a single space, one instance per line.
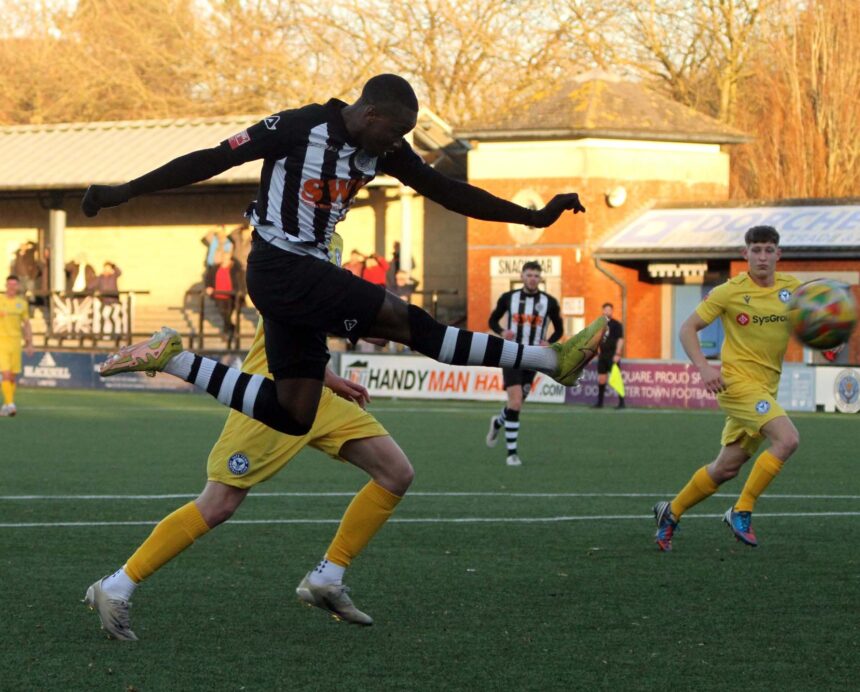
14 312
755 322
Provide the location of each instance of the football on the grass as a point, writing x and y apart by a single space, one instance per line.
822 313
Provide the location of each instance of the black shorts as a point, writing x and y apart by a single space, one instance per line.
303 299
524 378
604 364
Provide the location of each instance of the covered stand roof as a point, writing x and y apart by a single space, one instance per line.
73 155
807 227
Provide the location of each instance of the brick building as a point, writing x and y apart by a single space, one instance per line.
624 149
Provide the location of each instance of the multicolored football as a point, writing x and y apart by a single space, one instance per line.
822 313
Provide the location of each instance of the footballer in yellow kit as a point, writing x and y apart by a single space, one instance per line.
14 326
755 323
753 309
247 453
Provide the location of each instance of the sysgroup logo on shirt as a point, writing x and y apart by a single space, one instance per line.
743 319
769 319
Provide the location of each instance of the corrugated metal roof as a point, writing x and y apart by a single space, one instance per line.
808 226
73 155
601 104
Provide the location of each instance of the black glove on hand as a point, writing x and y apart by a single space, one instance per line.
98 196
556 206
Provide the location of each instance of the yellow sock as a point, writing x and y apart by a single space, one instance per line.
171 536
765 469
8 391
701 485
366 514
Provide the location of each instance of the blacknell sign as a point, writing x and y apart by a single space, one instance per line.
512 267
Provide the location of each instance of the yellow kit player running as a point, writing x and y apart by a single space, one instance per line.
14 324
753 308
248 453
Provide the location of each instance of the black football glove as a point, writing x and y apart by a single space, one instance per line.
99 196
556 206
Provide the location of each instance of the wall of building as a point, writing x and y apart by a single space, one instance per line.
650 173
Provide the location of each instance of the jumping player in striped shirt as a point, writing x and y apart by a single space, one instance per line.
315 160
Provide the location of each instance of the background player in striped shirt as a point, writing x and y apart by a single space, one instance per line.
315 160
14 325
529 312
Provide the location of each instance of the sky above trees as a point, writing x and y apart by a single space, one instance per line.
784 71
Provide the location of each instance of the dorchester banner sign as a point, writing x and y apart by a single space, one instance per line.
660 384
656 385
417 377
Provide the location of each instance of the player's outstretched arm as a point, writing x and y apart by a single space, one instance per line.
184 170
470 200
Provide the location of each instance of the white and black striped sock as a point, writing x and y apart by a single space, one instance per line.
253 395
500 419
462 347
512 430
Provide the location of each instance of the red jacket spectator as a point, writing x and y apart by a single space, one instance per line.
374 270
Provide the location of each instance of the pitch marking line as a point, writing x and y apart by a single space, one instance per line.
183 496
433 520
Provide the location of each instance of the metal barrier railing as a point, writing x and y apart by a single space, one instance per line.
86 316
231 317
82 320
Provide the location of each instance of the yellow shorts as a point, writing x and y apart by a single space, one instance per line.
747 407
248 452
10 355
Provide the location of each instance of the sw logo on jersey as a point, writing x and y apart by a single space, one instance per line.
322 194
239 139
533 320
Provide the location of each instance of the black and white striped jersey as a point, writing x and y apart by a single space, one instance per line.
312 173
529 316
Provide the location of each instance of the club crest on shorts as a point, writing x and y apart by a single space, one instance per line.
762 406
238 464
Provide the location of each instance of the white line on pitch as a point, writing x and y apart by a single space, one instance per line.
180 496
432 520
479 408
